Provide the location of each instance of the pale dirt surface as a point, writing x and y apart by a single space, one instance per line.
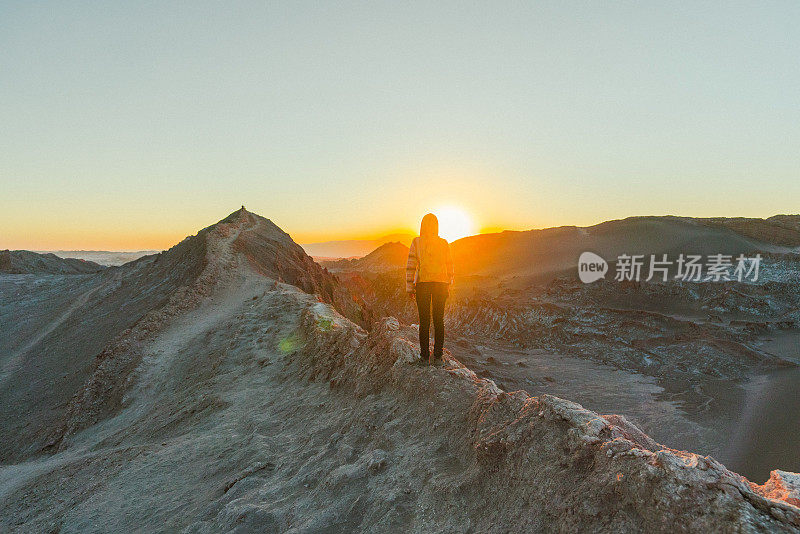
256 408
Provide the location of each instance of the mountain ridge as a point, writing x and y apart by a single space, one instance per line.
217 250
28 262
539 254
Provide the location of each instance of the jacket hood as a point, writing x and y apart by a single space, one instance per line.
429 226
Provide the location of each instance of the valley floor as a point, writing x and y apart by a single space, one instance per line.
747 424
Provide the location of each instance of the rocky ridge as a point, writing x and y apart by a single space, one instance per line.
27 262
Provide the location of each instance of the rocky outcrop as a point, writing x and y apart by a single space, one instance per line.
195 266
274 254
543 463
781 485
68 325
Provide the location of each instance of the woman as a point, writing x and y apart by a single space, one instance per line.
429 273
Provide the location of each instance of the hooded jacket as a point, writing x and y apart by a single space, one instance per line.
429 258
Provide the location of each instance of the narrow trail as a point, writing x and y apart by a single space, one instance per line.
162 353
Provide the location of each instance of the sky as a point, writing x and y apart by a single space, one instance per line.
130 125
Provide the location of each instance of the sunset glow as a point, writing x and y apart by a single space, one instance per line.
454 223
131 128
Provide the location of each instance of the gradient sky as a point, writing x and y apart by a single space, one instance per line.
127 125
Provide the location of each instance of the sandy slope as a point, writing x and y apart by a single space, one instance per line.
259 409
537 255
27 262
54 327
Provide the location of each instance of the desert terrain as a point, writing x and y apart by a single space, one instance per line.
232 384
707 354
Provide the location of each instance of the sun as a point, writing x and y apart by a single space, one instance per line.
454 223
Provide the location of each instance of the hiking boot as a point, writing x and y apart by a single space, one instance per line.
437 362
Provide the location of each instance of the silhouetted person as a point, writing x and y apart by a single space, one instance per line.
429 273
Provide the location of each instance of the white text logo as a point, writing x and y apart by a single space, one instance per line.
591 267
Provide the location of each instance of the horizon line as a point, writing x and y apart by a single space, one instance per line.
485 230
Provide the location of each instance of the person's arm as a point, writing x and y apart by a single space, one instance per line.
411 267
449 262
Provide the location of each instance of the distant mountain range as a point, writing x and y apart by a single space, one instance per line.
27 262
384 258
529 252
353 248
532 255
103 257
542 254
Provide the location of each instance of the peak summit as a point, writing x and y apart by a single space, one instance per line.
271 252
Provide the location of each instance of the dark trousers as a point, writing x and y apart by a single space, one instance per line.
431 295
